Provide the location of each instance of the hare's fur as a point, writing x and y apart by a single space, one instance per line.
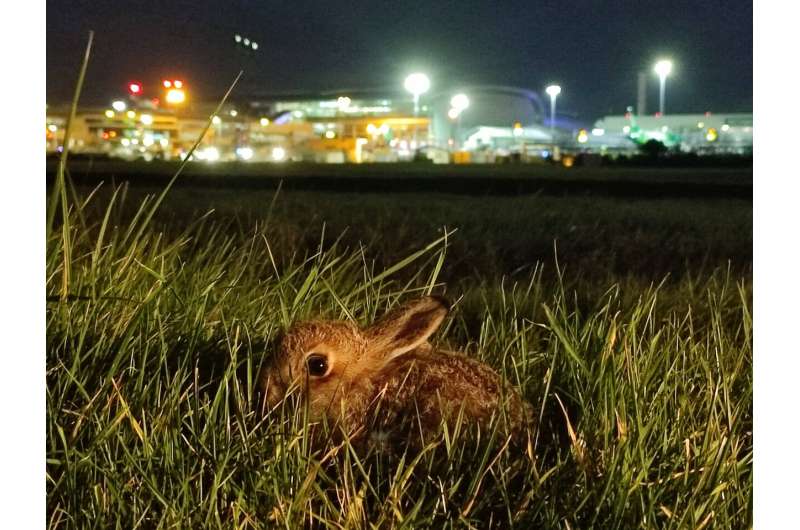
388 375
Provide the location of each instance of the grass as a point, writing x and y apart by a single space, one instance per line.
601 239
160 315
645 390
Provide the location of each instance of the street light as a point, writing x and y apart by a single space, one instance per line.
553 91
459 102
663 69
417 84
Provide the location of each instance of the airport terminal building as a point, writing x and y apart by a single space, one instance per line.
500 123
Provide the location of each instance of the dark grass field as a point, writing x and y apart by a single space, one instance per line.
601 224
618 301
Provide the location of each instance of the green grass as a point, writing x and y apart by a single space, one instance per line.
645 390
602 239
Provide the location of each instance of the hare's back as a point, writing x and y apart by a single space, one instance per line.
436 386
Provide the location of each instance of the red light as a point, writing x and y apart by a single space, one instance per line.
657 114
135 88
167 84
708 113
105 136
178 83
155 101
627 115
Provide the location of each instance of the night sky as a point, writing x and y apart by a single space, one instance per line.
593 49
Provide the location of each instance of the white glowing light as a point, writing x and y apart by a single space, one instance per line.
553 90
626 129
417 84
147 141
109 113
245 153
726 127
371 129
518 130
130 114
278 154
663 68
237 38
135 141
119 106
163 142
246 42
178 83
330 135
255 45
597 131
582 136
211 154
459 102
343 103
664 128
146 119
233 113
264 122
52 128
216 120
125 142
700 124
453 113
383 129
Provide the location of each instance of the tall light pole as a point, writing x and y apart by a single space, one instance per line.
417 84
663 69
459 102
553 91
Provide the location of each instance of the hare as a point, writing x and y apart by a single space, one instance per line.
377 380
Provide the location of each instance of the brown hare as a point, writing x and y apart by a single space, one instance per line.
386 379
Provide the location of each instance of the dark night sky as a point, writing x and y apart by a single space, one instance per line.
592 48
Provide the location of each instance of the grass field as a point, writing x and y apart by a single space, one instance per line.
622 311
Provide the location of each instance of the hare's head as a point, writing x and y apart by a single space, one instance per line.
332 363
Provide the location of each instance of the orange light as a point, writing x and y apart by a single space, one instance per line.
175 96
178 83
167 84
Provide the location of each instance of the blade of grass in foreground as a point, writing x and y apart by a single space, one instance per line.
60 189
143 226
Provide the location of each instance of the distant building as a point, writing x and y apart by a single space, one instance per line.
709 133
373 126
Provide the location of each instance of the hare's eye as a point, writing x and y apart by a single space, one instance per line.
317 365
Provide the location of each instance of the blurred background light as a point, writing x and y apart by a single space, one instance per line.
278 154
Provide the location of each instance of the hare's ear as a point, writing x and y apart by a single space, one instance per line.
407 327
